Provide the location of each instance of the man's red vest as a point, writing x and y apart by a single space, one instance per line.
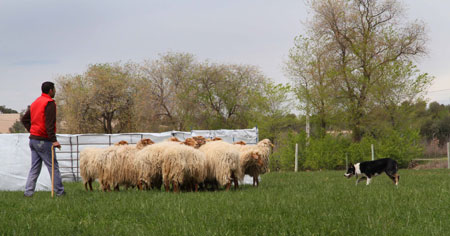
37 112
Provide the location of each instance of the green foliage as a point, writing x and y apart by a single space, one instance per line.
400 146
17 127
305 203
283 158
326 153
174 92
437 124
349 65
5 110
330 152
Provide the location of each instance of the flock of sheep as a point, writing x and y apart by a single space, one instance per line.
197 163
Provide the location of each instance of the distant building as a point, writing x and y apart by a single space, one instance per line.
6 121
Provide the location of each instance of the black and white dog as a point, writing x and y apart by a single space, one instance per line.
369 169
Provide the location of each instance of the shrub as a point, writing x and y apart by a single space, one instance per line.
330 152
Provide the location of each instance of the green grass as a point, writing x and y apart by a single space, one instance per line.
305 203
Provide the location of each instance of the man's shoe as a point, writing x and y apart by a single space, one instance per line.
61 194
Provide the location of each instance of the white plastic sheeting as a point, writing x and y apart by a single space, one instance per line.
15 154
15 162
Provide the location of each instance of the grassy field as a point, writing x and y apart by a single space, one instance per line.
305 203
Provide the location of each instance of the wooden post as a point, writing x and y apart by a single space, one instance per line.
373 154
448 155
296 157
53 171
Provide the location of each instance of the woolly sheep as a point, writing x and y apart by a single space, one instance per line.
89 165
263 149
121 168
183 164
240 143
222 163
200 140
108 164
149 162
120 143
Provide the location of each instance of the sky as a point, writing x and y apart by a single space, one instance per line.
41 40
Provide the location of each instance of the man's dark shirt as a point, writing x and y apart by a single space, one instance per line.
50 121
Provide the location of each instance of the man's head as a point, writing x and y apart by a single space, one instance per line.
48 88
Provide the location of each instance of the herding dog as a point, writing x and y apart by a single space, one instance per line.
369 169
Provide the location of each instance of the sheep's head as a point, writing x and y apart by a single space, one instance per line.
123 142
216 139
240 143
174 139
191 142
144 142
257 157
200 140
265 143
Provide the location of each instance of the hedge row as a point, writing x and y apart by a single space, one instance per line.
330 152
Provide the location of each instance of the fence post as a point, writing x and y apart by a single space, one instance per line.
448 155
296 157
373 154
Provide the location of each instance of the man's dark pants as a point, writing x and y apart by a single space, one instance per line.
42 151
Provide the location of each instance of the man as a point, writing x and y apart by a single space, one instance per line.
40 121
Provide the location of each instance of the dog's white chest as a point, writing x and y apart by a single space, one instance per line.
357 169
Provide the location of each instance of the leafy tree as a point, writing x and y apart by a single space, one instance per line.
227 94
94 101
5 110
370 52
309 69
437 124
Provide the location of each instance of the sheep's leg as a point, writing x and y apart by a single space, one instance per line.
254 181
90 185
116 188
196 187
175 186
236 183
85 186
257 180
228 186
167 185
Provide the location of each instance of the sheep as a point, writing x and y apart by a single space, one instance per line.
183 165
240 143
250 162
149 163
104 167
173 139
192 142
123 171
172 162
263 148
120 143
144 142
200 140
222 163
89 166
116 165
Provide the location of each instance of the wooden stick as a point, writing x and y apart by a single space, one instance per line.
53 171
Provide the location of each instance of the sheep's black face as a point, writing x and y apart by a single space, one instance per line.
350 171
